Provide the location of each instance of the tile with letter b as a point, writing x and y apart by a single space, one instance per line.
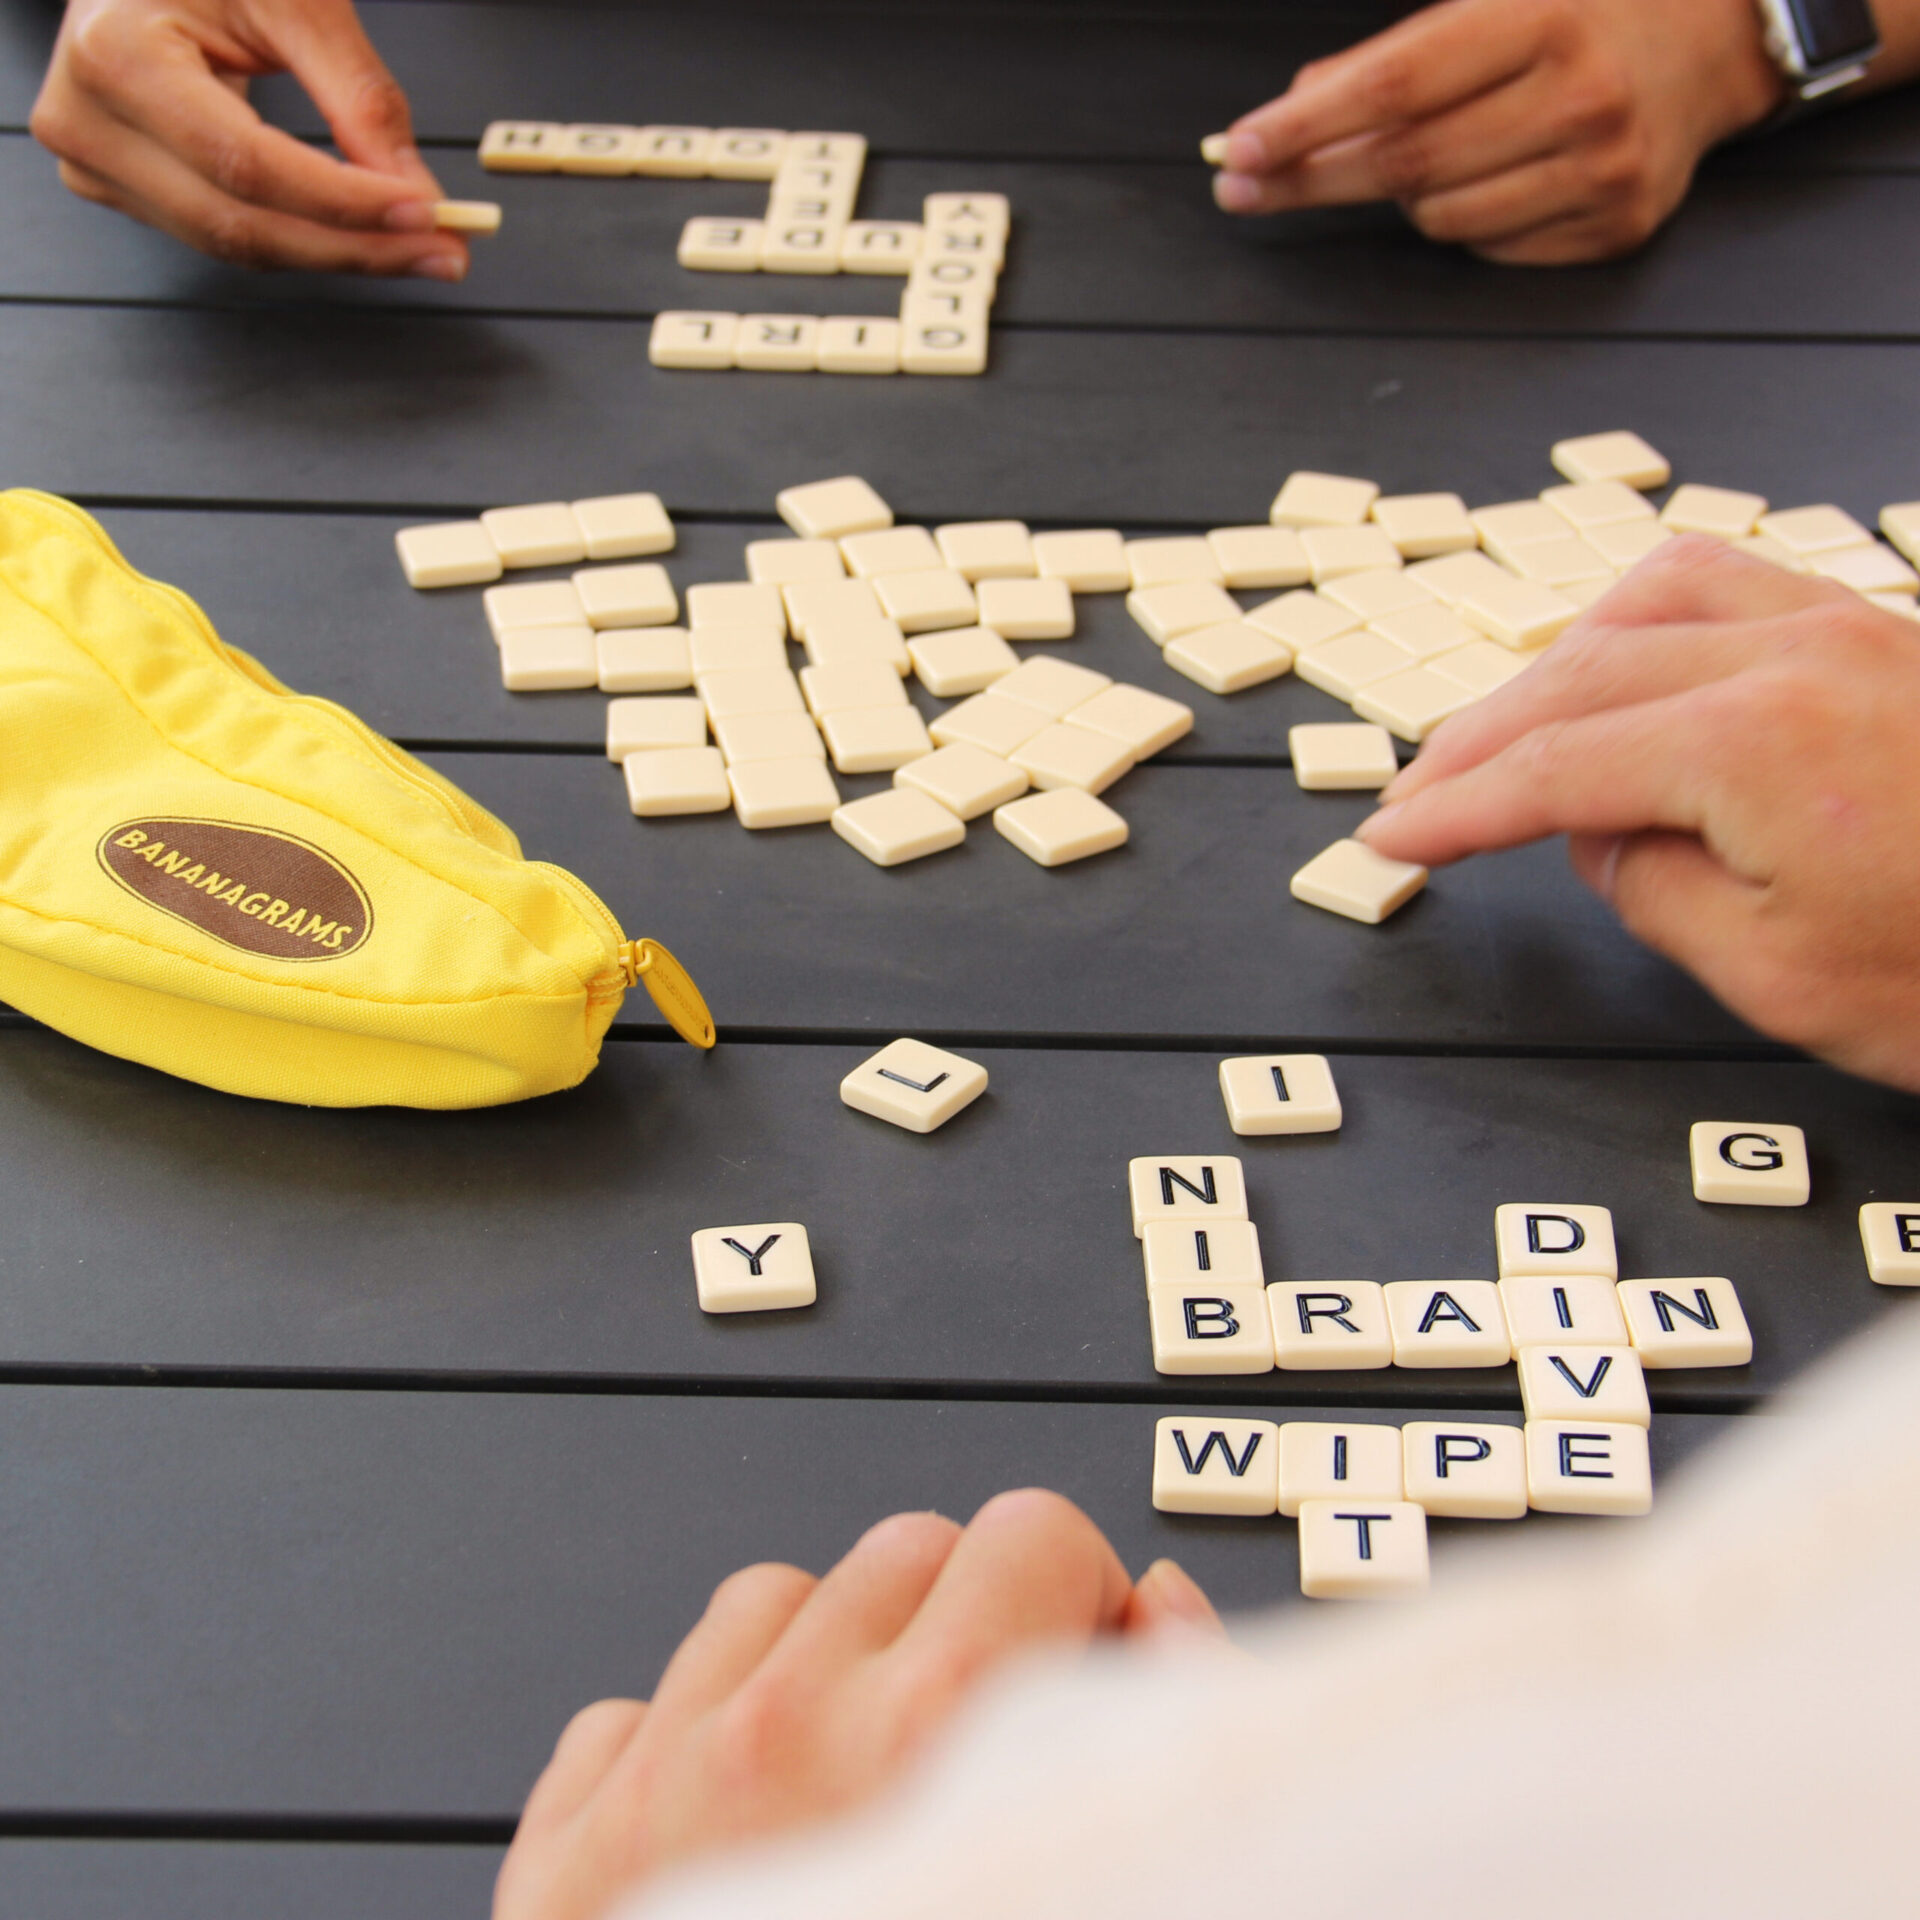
1322 500
967 781
1461 1470
1447 1323
1204 1465
701 340
1588 1466
1749 1163
1210 1329
987 549
783 793
455 553
1329 1325
957 661
1280 1093
1890 1233
1686 1323
757 1269
1543 1308
1349 878
1342 756
832 509
1055 829
1363 1550
1337 1459
1094 561
677 780
1142 722
643 659
1026 609
1554 1237
1584 1383
913 1085
1619 455
1189 1253
1195 1187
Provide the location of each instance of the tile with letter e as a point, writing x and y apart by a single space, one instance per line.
677 780
854 343
1189 1253
877 740
1582 1466
1092 561
1351 879
757 1269
1342 756
699 340
783 793
1142 722
1581 1383
967 781
1619 455
913 1085
960 660
548 659
1210 1329
1322 1326
832 509
1447 1323
1457 1470
623 526
1363 1550
987 549
1749 1163
1322 500
1336 1459
1686 1323
1026 609
898 825
1890 1233
1543 1308
1228 657
1533 1236
1203 1465
1195 1187
643 659
1055 829
455 553
1280 1093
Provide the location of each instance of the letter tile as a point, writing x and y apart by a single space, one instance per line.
1165 613
1302 620
777 563
1280 1093
596 149
986 721
768 736
987 549
1338 1460
1561 563
1362 1550
927 599
637 595
908 1082
1686 1323
456 553
1874 569
971 212
1715 510
522 146
1198 1188
1517 613
544 536
1342 757
539 603
799 245
1322 500
753 1269
1890 1233
880 246
1228 657
1026 609
1453 575
679 780
736 604
746 153
851 343
1535 1236
1481 666
749 690
1342 667
783 793
898 824
623 526
1745 1163
1422 525
735 650
1580 1466
652 722
1161 563
1805 531
1447 1323
876 739
1089 562
686 339
832 509
1901 524
1584 1383
967 781
1545 1308
1052 685
852 646
892 550
1412 703
1381 591
813 606
942 346
1465 1470
1259 557
1518 523
1187 1253
1598 503
643 660
850 689
721 246
1350 878
960 660
1334 551
1625 545
1324 1326
1204 1465
548 659
673 153
1144 723
1212 1329
1060 755
1054 829
1618 456
777 343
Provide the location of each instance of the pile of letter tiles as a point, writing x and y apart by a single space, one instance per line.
950 259
1408 607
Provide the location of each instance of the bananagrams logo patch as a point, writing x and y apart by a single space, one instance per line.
260 891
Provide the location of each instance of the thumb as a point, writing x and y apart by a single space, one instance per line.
328 52
1167 1599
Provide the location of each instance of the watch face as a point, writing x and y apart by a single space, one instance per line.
1833 30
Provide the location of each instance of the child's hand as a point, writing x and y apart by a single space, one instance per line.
796 1698
1537 131
145 105
1731 751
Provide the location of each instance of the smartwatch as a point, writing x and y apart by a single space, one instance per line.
1821 46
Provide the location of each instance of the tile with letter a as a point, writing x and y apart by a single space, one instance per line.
1543 1308
1890 1233
1336 1459
753 1269
1280 1093
1553 1237
1447 1323
1686 1323
967 781
1459 1470
1363 1550
1203 1465
701 340
1185 1187
1574 1383
677 780
913 1085
1210 1329
1583 1466
1184 1253
1329 1325
1749 1163
1055 829
832 509
1351 879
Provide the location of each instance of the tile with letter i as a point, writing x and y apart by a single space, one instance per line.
1332 1460
1579 1466
1280 1093
913 1085
1362 1550
1182 1253
1543 1308
1177 1187
1575 1383
1686 1323
753 1269
1749 1163
1211 1329
1452 1323
1462 1471
1542 1237
1890 1233
1201 1465
1323 1325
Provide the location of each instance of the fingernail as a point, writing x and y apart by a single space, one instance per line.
440 266
1246 151
1213 149
409 216
1365 830
1179 1594
1235 192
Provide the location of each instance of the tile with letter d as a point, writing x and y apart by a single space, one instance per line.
1746 1163
1686 1323
1203 1465
1580 1466
1185 1253
1185 1187
1890 1233
1576 1383
1327 1325
1280 1093
1460 1470
1337 1460
1362 1550
913 1085
1550 1237
1210 1329
1447 1323
754 1269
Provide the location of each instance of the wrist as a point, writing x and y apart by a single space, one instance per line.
1753 88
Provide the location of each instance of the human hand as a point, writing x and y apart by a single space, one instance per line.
1535 131
794 1698
1729 749
145 106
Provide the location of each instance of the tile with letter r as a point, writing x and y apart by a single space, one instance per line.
1326 1325
914 1085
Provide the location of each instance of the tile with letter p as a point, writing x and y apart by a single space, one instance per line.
1463 1470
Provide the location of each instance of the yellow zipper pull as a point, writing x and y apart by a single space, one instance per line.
646 963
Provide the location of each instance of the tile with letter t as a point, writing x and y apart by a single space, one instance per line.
1575 1383
1543 1308
1280 1093
1457 1470
1686 1323
1890 1233
1337 1460
913 1085
1551 1237
1329 1325
1202 1465
1744 1163
1210 1329
1362 1550
1449 1323
1185 1187
1580 1466
754 1269
721 246
1184 1253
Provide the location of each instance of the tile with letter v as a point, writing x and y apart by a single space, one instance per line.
913 1085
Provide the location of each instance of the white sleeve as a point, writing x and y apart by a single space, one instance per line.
1707 1712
